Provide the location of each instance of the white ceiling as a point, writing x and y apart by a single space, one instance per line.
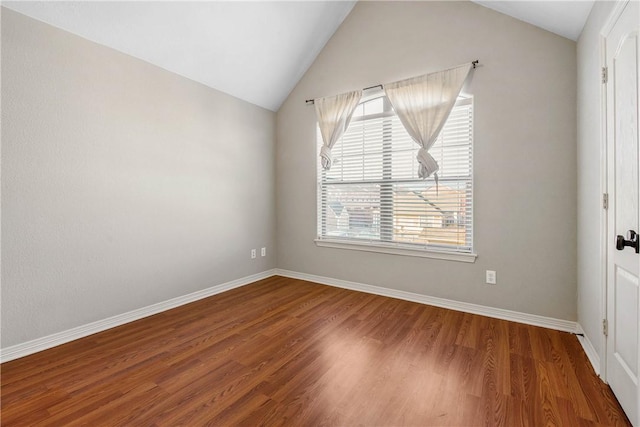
256 51
565 18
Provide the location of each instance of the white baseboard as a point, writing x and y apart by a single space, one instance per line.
53 340
588 348
498 313
39 344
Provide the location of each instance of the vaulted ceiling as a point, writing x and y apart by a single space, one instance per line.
565 18
255 51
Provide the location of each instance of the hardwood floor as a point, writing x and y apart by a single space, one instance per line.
288 352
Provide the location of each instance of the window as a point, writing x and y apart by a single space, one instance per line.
372 195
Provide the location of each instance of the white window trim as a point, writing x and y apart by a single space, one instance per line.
395 249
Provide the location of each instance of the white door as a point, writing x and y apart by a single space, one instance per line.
623 269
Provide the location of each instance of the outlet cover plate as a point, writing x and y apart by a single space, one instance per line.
491 277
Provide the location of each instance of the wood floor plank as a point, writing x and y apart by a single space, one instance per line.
289 352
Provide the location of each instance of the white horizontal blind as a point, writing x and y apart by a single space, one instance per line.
373 194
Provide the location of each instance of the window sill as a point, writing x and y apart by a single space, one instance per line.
395 250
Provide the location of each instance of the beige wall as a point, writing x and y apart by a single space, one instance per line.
590 170
525 153
123 184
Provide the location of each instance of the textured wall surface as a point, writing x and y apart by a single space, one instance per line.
524 153
123 184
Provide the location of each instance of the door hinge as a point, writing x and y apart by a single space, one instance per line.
605 75
605 327
605 200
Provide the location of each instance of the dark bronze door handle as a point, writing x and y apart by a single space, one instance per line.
633 241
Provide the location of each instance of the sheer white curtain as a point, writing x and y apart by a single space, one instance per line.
423 105
334 114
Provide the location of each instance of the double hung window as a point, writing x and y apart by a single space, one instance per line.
372 195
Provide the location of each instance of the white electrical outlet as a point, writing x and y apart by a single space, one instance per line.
263 252
253 254
491 277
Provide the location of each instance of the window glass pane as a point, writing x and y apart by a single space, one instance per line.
375 106
429 216
359 111
353 211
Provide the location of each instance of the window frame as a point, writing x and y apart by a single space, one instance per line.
389 246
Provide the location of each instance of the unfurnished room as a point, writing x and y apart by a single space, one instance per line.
314 213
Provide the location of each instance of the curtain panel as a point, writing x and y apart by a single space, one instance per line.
423 105
334 114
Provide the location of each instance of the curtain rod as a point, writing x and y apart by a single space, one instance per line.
311 101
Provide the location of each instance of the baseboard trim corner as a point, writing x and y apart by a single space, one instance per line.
39 344
589 349
498 313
